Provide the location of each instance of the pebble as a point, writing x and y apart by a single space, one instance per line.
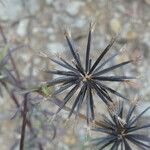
69 138
121 8
49 2
73 7
131 35
22 28
63 146
146 39
10 9
33 6
80 22
13 9
115 25
55 47
145 44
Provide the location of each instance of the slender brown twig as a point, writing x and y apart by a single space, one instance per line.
13 96
24 122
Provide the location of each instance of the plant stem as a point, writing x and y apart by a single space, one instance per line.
24 122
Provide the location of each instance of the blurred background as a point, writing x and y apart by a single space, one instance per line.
33 26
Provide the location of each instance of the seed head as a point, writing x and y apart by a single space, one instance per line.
88 78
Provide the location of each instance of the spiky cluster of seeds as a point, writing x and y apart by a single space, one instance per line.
121 130
89 79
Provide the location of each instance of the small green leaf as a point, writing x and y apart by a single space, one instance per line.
2 77
3 52
45 90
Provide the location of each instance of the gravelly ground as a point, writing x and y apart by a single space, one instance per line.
40 25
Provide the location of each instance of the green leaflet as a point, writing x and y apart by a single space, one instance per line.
3 52
45 90
2 77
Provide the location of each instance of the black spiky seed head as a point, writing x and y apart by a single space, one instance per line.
86 79
121 129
